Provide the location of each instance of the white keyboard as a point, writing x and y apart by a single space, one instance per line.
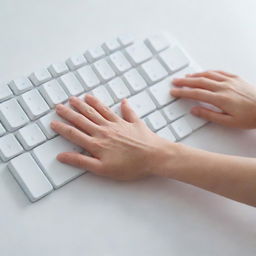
140 70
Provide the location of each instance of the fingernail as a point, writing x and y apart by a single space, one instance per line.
58 107
73 99
174 91
53 124
124 101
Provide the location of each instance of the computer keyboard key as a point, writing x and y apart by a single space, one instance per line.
30 177
40 76
94 54
181 128
76 61
53 93
104 70
2 130
58 173
118 89
103 95
155 120
30 136
33 104
141 103
174 59
125 39
178 108
157 43
20 85
166 134
9 147
119 62
194 121
134 80
153 71
5 92
111 46
160 92
58 69
12 115
138 53
87 77
71 84
45 124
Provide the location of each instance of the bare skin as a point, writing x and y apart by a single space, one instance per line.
126 149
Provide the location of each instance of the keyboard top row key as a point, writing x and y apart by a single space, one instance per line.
5 92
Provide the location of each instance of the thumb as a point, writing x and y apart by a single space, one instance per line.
211 115
127 112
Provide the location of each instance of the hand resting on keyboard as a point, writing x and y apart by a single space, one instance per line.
125 149
235 97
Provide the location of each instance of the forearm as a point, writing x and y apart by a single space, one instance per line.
231 176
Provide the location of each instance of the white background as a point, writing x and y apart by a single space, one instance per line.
96 216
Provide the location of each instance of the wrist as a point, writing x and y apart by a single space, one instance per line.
172 157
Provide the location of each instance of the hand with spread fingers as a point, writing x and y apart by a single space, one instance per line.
126 149
123 149
235 97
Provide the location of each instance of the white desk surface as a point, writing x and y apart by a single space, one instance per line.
95 216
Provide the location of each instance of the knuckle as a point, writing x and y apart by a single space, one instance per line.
196 93
70 131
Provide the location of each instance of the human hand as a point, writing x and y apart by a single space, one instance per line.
123 149
235 97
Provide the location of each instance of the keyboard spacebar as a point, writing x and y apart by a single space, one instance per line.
58 173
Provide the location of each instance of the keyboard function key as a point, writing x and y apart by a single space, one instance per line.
53 93
153 71
5 92
157 43
138 53
33 104
20 85
76 61
94 54
9 147
30 136
58 69
125 39
111 46
30 177
12 115
40 76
